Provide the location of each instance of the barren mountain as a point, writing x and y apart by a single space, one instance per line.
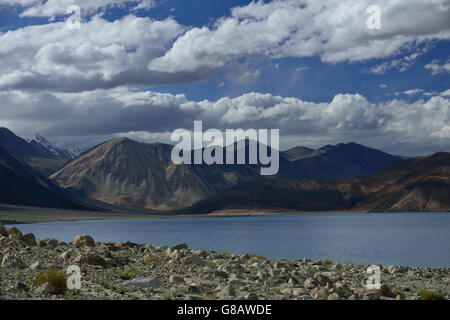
20 185
418 184
129 173
35 155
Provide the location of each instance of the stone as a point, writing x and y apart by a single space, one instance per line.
334 296
179 246
195 288
83 241
194 260
36 266
143 283
251 296
10 261
14 231
299 292
309 283
66 255
29 240
20 286
228 291
90 259
46 288
176 279
53 243
3 231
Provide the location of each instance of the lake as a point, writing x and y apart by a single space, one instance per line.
410 239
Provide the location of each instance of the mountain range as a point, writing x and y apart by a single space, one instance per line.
123 173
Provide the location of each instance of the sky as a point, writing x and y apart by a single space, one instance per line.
311 68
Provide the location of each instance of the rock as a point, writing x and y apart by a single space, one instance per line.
3 231
334 296
194 260
321 294
10 261
221 274
143 283
46 288
36 266
176 279
251 296
179 246
66 255
192 297
14 231
309 283
228 291
399 297
299 292
90 259
195 288
322 278
20 286
29 240
53 243
83 241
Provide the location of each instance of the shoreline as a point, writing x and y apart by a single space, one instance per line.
118 271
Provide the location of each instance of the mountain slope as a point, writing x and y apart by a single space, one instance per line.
128 173
40 141
343 161
20 185
418 184
38 157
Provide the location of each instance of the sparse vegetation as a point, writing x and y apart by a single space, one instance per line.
430 295
57 278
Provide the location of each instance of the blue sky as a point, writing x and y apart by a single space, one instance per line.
237 55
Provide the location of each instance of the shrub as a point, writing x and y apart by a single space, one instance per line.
430 295
127 274
57 278
327 262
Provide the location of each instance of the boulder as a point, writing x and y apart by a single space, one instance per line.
13 231
228 291
46 288
194 260
29 240
53 243
36 266
3 231
10 261
176 279
143 283
90 259
179 246
83 241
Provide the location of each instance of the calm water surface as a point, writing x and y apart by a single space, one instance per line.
413 239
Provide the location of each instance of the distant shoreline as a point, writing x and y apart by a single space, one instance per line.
10 214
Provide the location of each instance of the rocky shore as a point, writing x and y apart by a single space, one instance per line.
37 269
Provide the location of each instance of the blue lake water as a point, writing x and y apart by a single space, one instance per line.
412 239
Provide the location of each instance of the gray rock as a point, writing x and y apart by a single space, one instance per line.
194 260
143 283
46 288
10 261
228 291
334 296
179 246
176 279
66 255
251 296
20 286
195 288
36 266
3 231
29 240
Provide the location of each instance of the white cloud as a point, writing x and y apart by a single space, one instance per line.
334 30
436 67
101 54
396 126
53 8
